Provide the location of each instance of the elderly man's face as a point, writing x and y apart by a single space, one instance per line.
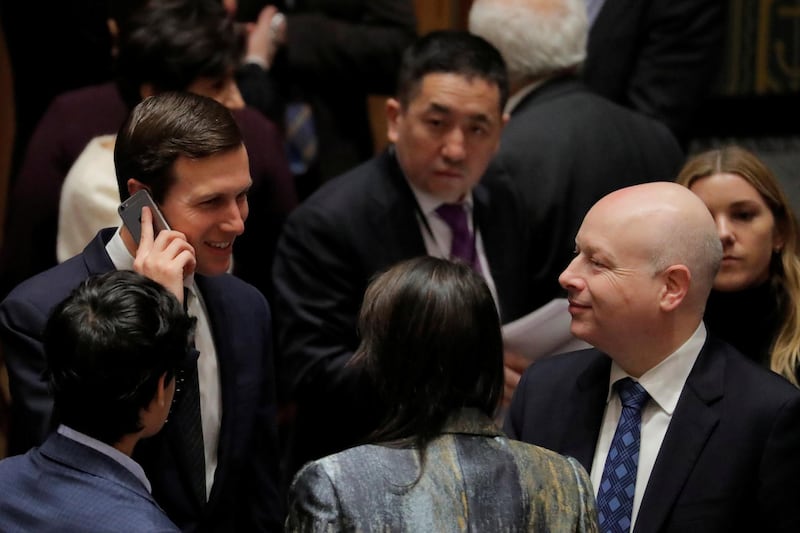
612 287
447 134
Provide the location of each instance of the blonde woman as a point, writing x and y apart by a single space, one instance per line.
754 304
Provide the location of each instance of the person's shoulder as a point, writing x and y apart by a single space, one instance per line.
751 383
49 287
568 361
92 97
253 124
346 194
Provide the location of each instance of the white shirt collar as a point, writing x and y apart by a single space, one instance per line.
123 260
664 382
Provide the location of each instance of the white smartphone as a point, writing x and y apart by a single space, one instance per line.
131 213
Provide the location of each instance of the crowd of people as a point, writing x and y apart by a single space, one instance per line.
319 345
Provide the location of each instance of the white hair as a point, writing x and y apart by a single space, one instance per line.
535 37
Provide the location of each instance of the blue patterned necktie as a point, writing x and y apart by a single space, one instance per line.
463 244
301 137
615 498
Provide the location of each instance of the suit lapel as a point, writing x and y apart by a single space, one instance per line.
394 210
692 423
585 412
219 324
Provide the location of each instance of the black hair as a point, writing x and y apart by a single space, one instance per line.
162 128
451 52
107 344
431 344
171 43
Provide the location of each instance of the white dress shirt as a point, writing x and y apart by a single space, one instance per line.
664 383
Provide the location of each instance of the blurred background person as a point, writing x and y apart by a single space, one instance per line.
432 345
658 57
423 195
162 45
113 347
755 303
331 55
564 146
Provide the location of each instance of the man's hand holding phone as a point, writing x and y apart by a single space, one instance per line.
166 258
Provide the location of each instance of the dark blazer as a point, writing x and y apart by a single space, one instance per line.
565 148
729 460
337 53
353 227
473 478
659 57
66 486
71 121
244 494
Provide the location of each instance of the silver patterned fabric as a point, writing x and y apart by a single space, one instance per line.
474 479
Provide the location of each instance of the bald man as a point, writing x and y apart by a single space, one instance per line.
719 437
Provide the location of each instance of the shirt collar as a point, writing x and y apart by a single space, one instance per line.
123 260
664 382
105 449
428 202
517 97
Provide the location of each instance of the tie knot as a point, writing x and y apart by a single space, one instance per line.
631 394
454 215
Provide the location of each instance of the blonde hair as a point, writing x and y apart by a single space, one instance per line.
785 265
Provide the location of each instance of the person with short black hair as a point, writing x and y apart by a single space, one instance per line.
422 196
113 347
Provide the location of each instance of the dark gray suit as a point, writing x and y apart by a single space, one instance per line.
565 148
729 460
353 227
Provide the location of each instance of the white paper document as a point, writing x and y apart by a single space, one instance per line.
542 332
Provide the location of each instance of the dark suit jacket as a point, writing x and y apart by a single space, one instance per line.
71 121
66 486
244 494
565 148
729 460
659 57
337 53
353 227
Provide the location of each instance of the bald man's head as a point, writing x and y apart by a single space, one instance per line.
664 224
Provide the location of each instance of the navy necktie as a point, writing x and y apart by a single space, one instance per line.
187 417
615 497
463 244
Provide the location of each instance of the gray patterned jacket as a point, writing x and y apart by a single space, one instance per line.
474 479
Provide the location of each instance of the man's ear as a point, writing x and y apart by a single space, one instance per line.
161 391
677 280
146 90
135 186
393 112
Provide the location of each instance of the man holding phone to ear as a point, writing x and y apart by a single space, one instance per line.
216 462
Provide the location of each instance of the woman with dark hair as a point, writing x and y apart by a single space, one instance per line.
755 304
432 345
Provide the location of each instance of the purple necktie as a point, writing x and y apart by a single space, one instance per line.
463 246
